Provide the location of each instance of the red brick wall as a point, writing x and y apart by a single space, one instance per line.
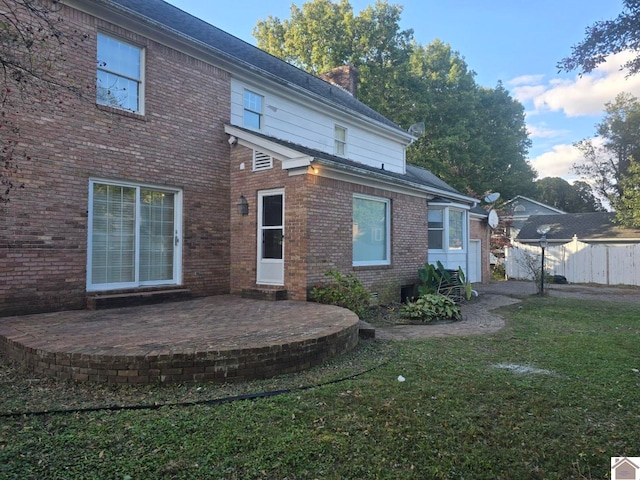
318 229
179 142
330 239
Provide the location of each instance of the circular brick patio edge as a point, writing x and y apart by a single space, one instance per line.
200 366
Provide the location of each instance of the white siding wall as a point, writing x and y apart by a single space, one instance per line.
293 121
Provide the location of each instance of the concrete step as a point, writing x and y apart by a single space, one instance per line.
270 294
366 330
101 301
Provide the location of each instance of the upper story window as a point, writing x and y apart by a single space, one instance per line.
371 231
119 76
446 228
340 136
253 110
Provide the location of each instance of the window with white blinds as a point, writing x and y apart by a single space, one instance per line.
134 236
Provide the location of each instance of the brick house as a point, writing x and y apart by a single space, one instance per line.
204 165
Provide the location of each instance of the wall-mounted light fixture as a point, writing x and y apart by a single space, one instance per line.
243 206
233 140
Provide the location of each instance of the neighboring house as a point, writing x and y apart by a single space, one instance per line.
583 247
204 165
520 208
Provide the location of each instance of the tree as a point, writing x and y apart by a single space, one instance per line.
628 206
576 198
607 163
323 35
475 138
32 38
608 37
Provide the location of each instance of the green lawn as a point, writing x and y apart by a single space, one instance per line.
458 415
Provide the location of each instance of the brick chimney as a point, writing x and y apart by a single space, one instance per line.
345 76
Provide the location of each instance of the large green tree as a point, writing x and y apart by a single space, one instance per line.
628 205
607 162
571 198
475 138
608 37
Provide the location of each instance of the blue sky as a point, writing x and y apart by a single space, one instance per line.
516 41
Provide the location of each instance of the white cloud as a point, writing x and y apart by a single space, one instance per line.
526 80
581 95
557 162
543 131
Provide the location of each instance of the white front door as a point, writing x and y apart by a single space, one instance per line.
270 267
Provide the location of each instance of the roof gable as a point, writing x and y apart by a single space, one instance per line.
169 17
521 206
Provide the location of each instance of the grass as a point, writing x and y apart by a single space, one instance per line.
456 416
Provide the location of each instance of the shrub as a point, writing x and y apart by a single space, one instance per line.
344 291
437 279
431 307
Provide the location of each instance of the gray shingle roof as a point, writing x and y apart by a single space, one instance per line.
414 175
221 42
586 226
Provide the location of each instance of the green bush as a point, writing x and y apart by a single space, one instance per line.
437 279
431 307
344 291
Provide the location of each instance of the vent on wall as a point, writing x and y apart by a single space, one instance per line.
261 161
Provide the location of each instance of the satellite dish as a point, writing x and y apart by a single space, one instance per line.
493 218
543 229
492 197
417 129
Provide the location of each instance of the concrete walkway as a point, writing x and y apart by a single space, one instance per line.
478 316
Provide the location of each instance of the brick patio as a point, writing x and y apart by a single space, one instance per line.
219 338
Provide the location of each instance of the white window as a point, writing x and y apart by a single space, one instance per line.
446 228
134 236
340 135
371 231
119 76
252 110
435 222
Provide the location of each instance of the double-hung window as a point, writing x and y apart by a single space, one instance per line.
134 236
371 231
446 228
253 110
340 138
119 74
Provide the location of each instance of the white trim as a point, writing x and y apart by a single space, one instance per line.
387 203
177 251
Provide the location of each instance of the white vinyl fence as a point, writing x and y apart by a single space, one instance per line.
580 262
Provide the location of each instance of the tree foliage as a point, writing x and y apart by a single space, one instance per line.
607 162
32 40
628 205
571 198
475 137
608 37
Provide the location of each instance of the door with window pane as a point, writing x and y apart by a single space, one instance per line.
134 234
270 268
